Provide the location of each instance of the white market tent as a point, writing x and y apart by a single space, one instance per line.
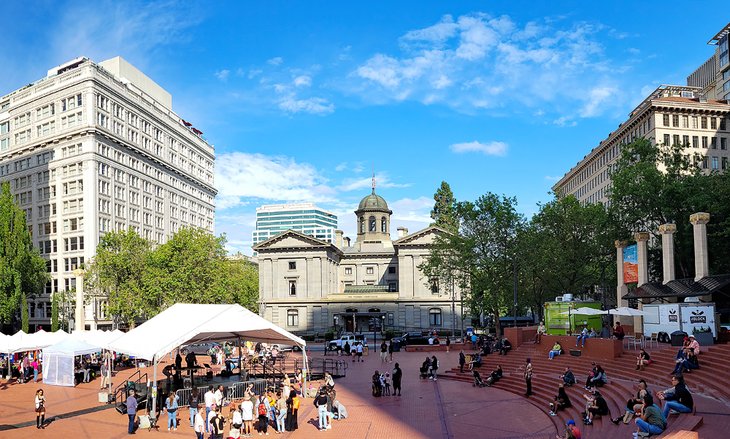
185 323
58 360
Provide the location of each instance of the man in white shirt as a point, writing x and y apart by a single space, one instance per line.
209 399
218 395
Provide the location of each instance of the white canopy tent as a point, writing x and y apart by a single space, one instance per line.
185 323
626 311
58 360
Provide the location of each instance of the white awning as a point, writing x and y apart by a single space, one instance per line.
185 323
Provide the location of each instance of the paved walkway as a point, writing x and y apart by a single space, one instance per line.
441 409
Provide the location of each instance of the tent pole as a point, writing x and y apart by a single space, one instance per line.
240 354
155 359
305 371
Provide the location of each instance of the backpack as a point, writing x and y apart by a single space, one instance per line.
262 408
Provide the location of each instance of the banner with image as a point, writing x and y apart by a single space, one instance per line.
631 265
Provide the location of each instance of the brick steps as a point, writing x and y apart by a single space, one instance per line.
622 376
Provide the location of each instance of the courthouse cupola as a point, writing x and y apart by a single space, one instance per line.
373 218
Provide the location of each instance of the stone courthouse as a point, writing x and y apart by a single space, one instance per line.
308 286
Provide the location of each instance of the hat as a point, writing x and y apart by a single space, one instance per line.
570 422
691 336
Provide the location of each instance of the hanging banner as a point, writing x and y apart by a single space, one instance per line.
631 265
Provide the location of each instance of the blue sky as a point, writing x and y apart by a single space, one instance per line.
302 100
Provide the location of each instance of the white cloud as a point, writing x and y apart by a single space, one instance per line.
240 176
552 178
565 121
491 148
302 81
276 61
222 74
478 62
381 181
310 105
341 167
412 209
140 28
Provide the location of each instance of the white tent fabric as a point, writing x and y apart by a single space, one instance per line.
185 323
20 342
626 311
58 360
102 339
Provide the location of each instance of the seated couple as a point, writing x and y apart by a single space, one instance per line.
596 406
584 334
634 405
596 377
686 361
495 376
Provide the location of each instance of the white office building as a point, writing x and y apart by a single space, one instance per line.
93 148
305 218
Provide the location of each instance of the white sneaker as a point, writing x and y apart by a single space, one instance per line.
553 414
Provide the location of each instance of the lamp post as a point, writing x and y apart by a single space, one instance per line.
382 325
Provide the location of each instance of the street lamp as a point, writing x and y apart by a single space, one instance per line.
382 325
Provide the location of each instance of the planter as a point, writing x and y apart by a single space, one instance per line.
704 338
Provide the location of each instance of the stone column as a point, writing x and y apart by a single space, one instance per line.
667 231
621 289
80 313
641 240
643 275
699 222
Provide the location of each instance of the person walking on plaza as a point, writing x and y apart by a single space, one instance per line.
36 367
171 407
397 377
383 352
280 412
209 399
292 411
359 349
247 416
199 424
462 361
390 351
262 409
321 402
448 343
131 411
528 378
194 402
40 409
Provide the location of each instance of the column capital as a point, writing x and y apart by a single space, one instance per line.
620 244
79 272
699 218
667 229
641 236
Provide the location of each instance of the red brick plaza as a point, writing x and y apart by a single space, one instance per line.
447 408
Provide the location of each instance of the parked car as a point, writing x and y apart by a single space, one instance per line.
411 338
199 348
346 338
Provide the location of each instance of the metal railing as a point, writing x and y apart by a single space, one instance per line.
233 391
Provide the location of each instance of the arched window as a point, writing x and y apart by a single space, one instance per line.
382 225
372 224
362 224
434 317
292 318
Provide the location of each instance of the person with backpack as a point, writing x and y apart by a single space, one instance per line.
262 409
321 402
216 424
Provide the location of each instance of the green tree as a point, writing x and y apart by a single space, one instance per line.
118 269
187 268
24 313
566 248
240 279
22 269
482 257
54 314
444 209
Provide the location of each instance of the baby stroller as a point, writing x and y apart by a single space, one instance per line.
423 372
478 380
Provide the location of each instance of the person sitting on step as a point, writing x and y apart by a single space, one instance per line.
634 404
495 376
560 402
568 377
556 350
596 406
643 359
651 421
